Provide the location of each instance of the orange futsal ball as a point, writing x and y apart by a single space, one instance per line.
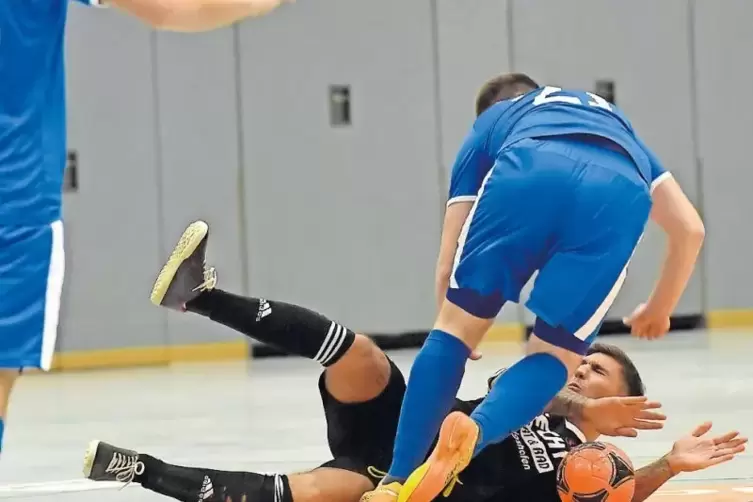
596 472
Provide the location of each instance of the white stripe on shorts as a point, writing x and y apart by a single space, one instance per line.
464 231
52 298
590 326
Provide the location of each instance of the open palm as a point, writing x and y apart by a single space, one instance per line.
698 451
624 416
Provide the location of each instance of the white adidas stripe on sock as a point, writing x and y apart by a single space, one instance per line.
279 488
332 343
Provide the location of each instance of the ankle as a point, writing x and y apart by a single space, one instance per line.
144 465
203 304
392 479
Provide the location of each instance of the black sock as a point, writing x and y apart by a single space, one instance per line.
190 484
293 329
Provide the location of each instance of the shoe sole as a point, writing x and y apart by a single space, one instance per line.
192 237
89 456
457 440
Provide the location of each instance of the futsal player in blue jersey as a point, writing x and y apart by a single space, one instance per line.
33 157
547 180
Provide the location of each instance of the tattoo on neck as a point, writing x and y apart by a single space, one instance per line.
568 404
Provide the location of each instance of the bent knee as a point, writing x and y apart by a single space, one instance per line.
364 356
362 374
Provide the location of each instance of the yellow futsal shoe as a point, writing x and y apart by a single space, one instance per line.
185 275
383 493
454 451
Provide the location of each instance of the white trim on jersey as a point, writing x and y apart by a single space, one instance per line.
94 3
575 430
52 297
660 179
461 198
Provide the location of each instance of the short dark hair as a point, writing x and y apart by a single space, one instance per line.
630 374
502 87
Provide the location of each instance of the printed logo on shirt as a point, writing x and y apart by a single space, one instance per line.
539 453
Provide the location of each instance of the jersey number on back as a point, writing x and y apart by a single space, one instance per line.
546 96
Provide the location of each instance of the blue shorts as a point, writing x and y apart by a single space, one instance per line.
572 210
32 264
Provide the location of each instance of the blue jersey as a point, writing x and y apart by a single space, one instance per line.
32 110
544 112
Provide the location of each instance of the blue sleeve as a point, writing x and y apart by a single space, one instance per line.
658 173
471 165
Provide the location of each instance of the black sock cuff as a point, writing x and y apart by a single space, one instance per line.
151 465
209 301
181 483
282 488
255 487
337 343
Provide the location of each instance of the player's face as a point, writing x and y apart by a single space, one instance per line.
598 376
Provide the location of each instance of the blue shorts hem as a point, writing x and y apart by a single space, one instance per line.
21 365
561 337
476 304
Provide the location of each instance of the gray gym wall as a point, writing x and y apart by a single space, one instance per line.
233 127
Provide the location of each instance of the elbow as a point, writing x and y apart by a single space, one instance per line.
689 234
685 229
172 16
159 16
700 232
443 275
696 231
442 283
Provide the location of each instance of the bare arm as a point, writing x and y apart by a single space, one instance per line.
568 404
454 219
194 15
650 478
675 214
610 416
693 452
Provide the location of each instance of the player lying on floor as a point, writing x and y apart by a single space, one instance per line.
362 391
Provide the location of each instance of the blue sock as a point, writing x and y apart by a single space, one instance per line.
434 381
518 396
2 430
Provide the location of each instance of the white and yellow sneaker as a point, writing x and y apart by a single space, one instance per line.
185 275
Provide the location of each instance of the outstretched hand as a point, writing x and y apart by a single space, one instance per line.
624 416
698 451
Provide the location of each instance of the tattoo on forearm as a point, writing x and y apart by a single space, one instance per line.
568 404
650 478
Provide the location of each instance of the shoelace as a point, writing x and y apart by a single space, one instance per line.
210 279
125 467
454 480
376 473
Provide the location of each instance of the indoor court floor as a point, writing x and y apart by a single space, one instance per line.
265 416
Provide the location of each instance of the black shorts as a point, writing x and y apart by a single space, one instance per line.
362 435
